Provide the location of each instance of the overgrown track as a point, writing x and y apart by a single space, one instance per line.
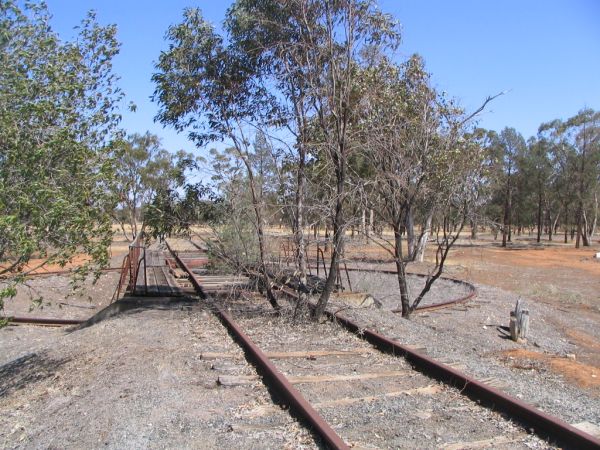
372 394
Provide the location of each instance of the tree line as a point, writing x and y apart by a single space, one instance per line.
547 184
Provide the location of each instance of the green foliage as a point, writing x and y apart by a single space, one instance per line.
171 212
551 176
145 171
58 114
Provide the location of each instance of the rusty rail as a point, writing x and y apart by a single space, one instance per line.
187 269
545 425
472 290
288 393
122 278
66 272
130 268
284 388
137 254
42 321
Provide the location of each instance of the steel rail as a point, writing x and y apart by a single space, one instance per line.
191 274
283 387
42 321
544 425
66 272
421 308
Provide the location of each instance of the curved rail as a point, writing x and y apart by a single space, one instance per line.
66 272
542 423
472 289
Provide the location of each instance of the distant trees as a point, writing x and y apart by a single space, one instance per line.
548 182
576 143
58 116
144 172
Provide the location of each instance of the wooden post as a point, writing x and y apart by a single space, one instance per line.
519 322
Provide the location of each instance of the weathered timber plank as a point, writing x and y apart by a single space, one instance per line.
431 389
285 355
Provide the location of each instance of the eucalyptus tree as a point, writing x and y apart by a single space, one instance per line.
422 158
58 114
207 88
580 135
512 145
310 51
144 168
274 35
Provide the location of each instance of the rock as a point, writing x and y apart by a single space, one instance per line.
588 427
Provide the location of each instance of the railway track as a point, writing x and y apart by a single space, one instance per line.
358 389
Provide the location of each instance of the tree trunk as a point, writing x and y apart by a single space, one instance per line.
579 220
338 238
410 234
584 229
400 268
595 221
539 216
507 205
133 218
257 206
363 223
474 228
566 223
422 244
299 231
552 224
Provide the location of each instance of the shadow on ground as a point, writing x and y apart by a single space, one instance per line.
132 305
26 370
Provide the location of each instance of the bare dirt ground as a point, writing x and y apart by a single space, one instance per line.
121 384
137 381
49 293
565 279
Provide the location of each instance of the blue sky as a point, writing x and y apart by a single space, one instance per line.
545 53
